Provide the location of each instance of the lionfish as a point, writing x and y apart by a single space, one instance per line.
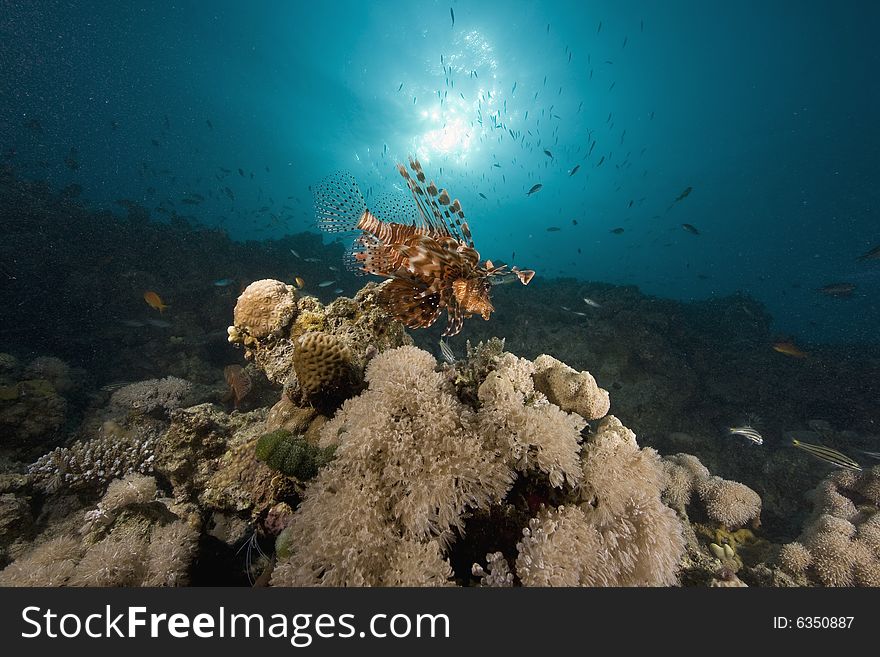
427 252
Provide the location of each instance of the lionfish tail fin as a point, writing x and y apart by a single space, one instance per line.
339 204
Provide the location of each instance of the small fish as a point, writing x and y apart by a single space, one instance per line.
616 231
680 197
574 171
224 282
452 14
748 432
553 229
326 283
338 290
300 283
873 455
159 323
447 353
548 153
241 172
483 195
574 222
400 87
132 323
513 88
295 253
210 125
154 301
600 161
837 290
691 229
789 348
333 268
312 259
873 254
592 303
828 455
535 188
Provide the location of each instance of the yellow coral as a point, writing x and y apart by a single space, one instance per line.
308 321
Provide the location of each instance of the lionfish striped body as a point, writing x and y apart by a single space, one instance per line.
428 253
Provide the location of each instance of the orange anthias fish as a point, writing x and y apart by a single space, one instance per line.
427 252
789 349
154 301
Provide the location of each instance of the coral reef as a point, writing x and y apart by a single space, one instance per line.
324 369
613 531
729 503
33 410
414 462
156 396
292 454
840 544
529 431
349 332
573 391
263 310
128 539
92 464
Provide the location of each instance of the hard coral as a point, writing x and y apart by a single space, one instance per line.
324 369
264 309
92 464
573 391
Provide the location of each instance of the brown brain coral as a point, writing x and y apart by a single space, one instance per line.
323 366
321 360
265 308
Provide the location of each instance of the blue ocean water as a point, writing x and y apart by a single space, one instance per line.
767 112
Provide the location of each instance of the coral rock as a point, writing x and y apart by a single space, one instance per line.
265 308
573 391
323 366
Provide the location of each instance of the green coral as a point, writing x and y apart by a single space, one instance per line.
292 455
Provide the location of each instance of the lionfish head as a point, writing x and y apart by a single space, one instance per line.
472 295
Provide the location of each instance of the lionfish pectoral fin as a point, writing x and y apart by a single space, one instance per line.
454 320
339 204
403 298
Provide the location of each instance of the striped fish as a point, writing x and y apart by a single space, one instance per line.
422 244
828 455
447 353
748 432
